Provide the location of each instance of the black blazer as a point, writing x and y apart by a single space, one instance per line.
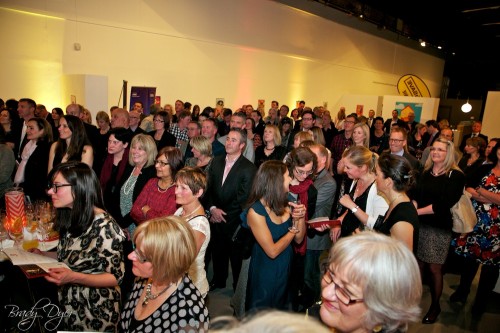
388 124
92 134
35 172
232 196
464 140
167 139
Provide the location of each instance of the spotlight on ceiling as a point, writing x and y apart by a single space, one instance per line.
439 47
466 108
422 42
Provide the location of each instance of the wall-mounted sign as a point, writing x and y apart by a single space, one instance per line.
412 85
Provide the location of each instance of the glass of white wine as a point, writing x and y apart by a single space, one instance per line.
294 228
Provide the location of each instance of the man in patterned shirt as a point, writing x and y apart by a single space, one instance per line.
179 130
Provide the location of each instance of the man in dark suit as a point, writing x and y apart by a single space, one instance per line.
389 123
229 181
411 124
476 132
432 132
397 146
92 131
26 109
41 112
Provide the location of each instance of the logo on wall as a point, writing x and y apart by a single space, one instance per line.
405 108
412 85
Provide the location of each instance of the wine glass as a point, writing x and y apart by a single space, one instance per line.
294 228
16 231
4 234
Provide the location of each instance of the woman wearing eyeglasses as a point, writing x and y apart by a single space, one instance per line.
301 164
157 198
91 246
440 186
164 299
384 298
161 135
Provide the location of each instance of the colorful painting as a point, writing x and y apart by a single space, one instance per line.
405 108
359 110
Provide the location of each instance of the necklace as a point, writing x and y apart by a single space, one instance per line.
130 183
149 295
395 198
188 216
439 173
161 190
270 149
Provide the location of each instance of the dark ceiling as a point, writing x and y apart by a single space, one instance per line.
468 33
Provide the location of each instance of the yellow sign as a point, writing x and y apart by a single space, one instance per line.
412 85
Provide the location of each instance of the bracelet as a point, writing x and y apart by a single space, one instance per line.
294 231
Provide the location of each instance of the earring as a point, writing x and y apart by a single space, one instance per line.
377 328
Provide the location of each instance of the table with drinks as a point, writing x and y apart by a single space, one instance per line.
24 225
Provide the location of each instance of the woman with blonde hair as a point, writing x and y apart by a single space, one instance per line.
164 299
202 153
103 122
361 135
271 148
362 202
339 121
371 284
440 186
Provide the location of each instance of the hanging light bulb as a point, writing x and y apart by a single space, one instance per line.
466 107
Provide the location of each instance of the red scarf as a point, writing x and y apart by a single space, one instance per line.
107 168
301 191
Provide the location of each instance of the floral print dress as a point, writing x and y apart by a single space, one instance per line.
483 243
97 250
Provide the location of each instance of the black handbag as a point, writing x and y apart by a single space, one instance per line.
244 240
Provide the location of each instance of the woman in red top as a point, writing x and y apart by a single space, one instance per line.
157 198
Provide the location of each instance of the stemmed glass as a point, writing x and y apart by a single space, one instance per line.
45 213
294 228
4 234
16 231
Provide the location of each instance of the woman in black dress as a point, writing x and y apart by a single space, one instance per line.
439 188
161 135
31 173
394 179
271 148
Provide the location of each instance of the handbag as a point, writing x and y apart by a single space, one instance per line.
463 214
244 239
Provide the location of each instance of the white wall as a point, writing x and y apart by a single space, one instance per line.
491 116
240 50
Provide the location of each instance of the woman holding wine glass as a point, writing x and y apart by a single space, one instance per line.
270 221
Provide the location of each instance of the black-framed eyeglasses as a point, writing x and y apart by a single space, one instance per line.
140 258
303 173
55 187
342 295
161 163
396 140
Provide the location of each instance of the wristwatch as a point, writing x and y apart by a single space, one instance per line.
354 210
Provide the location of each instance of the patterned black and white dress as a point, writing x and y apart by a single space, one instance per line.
183 311
98 250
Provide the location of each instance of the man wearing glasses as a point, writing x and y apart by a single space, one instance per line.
134 117
343 140
397 146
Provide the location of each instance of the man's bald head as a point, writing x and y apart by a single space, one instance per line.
120 118
75 110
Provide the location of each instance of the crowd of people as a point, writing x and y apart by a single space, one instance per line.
147 199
